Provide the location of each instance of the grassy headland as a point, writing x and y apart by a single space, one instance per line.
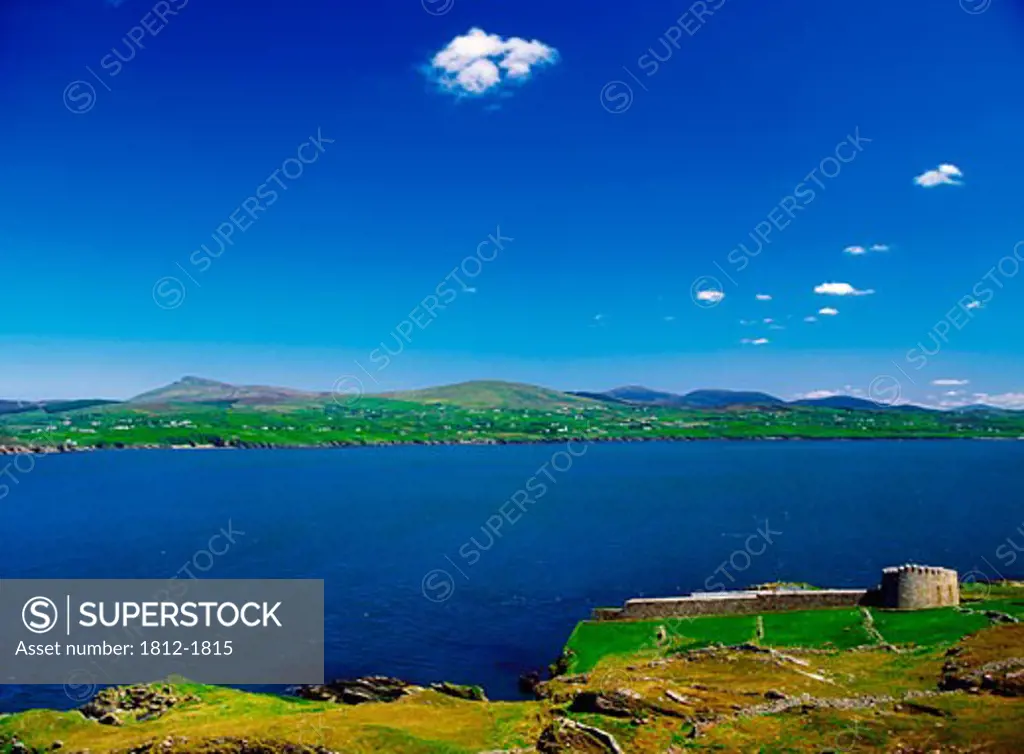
811 681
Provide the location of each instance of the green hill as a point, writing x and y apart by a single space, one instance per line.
493 394
200 390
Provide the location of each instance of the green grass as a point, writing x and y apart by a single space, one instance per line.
839 629
1014 607
593 640
944 625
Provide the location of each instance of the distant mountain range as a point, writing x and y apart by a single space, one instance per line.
475 394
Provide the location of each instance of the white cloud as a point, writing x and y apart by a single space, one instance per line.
748 322
945 174
768 320
855 250
974 305
954 393
478 62
879 247
810 319
828 311
950 382
710 295
763 297
840 289
816 394
755 341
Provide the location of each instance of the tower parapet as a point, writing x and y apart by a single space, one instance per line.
915 587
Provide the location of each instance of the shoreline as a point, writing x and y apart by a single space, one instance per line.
60 449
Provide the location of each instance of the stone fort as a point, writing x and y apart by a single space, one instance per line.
905 587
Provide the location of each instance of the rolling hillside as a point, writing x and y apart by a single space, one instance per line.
493 394
200 390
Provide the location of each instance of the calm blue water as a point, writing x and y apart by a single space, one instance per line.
624 520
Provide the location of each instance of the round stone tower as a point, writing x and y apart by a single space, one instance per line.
916 587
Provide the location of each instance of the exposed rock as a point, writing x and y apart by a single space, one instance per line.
469 693
991 661
570 737
374 688
621 703
680 698
528 683
1003 677
112 706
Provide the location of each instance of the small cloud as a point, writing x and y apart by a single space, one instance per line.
950 382
828 311
710 295
776 327
945 174
816 395
748 322
954 393
469 290
974 304
763 297
669 319
879 247
840 289
855 250
810 319
768 320
755 341
477 62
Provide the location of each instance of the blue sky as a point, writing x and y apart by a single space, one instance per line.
625 153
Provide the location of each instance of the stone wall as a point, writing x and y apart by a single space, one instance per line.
734 603
907 587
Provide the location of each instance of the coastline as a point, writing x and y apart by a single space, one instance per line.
61 449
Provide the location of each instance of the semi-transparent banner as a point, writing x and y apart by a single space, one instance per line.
221 631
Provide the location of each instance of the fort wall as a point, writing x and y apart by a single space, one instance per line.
734 603
906 587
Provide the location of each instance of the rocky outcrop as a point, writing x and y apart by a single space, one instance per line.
469 693
1002 677
620 703
570 737
374 688
113 706
17 450
990 661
